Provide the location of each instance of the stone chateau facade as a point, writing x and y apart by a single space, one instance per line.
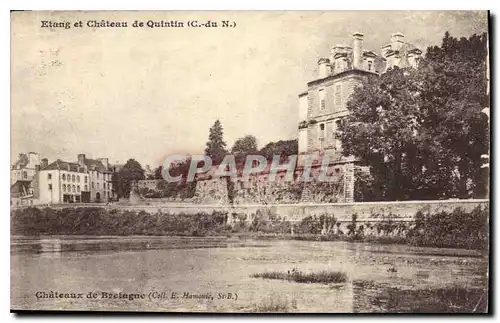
321 109
323 106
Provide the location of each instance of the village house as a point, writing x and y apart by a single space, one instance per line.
84 181
24 168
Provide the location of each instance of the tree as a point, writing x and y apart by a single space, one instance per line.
454 93
284 148
246 145
382 131
182 188
422 131
157 174
216 146
130 172
148 172
243 147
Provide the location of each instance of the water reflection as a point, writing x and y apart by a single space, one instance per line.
224 265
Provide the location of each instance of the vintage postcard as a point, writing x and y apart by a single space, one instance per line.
250 161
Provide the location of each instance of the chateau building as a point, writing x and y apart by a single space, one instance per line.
323 106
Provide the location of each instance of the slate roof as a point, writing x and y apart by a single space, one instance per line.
62 165
19 188
94 164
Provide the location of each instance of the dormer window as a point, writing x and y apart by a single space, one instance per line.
369 65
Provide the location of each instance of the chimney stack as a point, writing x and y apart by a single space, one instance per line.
81 159
323 67
397 40
34 159
357 50
45 163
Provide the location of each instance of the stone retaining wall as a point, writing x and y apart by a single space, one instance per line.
366 212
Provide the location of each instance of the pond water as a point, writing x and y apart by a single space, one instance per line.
214 274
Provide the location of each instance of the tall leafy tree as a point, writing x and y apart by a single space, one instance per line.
283 148
382 131
131 171
245 145
157 173
422 131
216 146
454 93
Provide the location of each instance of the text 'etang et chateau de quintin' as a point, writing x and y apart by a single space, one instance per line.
137 24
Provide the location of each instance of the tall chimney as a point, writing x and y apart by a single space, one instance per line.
81 159
357 50
323 67
397 40
34 159
45 163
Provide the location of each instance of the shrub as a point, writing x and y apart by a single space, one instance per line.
99 221
456 229
322 277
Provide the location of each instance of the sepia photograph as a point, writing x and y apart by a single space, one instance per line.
250 161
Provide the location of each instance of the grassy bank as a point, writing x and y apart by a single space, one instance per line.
457 229
375 297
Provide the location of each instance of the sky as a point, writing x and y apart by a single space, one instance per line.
147 93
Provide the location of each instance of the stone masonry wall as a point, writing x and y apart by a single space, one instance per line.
366 212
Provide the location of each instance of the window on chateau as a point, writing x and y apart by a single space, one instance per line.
337 127
25 175
64 188
322 102
321 135
73 178
50 187
85 179
369 65
338 95
86 187
49 176
78 178
64 177
78 188
92 184
322 130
